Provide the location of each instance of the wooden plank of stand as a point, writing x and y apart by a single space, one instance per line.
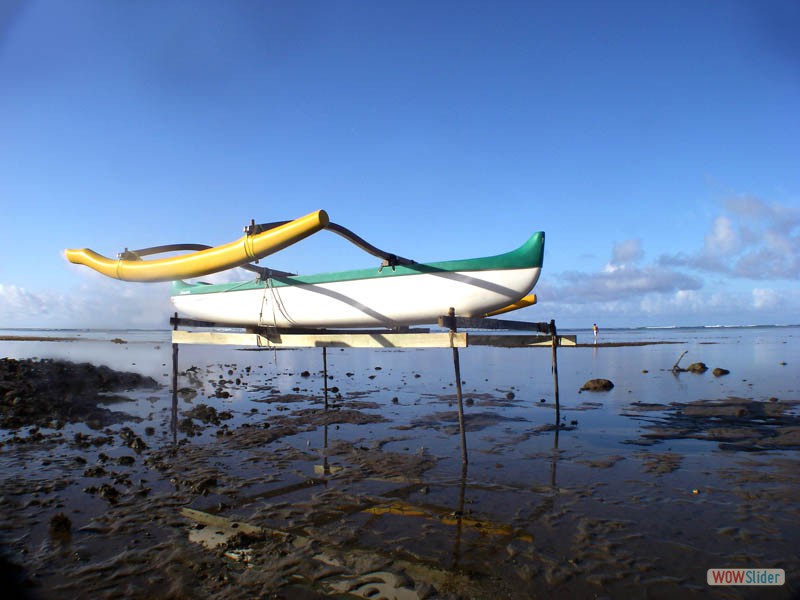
268 330
342 340
482 323
519 341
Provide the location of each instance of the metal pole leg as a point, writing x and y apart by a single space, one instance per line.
457 367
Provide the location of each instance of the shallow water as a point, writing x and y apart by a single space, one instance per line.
622 501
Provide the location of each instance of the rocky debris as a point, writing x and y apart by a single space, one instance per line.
317 417
447 421
734 423
131 440
208 414
106 491
60 525
698 367
646 406
203 486
49 393
84 441
96 471
603 462
189 427
660 464
187 393
597 385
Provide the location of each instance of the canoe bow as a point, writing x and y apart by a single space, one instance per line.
196 264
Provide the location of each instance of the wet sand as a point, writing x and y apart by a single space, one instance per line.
249 488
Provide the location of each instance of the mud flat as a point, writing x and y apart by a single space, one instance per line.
243 485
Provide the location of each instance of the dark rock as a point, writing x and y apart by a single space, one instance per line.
208 414
96 471
718 372
109 492
187 393
203 486
39 392
60 525
598 385
697 367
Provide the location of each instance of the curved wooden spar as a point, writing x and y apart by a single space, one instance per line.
204 262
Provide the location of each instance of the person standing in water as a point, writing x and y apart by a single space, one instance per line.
594 330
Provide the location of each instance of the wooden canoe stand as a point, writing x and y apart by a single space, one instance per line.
270 337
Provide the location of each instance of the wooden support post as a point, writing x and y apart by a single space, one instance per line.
457 367
554 333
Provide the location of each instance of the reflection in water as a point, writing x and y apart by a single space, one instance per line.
460 515
174 414
554 460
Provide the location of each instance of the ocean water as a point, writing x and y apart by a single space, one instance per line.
631 495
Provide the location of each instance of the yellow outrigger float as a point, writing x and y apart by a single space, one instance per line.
211 260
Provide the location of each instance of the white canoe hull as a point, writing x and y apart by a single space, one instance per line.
375 302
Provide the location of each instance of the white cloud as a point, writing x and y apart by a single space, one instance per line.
751 239
681 307
755 240
722 239
99 303
765 298
618 283
627 252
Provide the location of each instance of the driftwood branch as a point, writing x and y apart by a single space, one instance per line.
675 367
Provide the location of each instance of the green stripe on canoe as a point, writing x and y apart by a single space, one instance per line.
530 254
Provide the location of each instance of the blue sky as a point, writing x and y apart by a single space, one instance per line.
656 143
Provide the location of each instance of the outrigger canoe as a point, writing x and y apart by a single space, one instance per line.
400 293
410 294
